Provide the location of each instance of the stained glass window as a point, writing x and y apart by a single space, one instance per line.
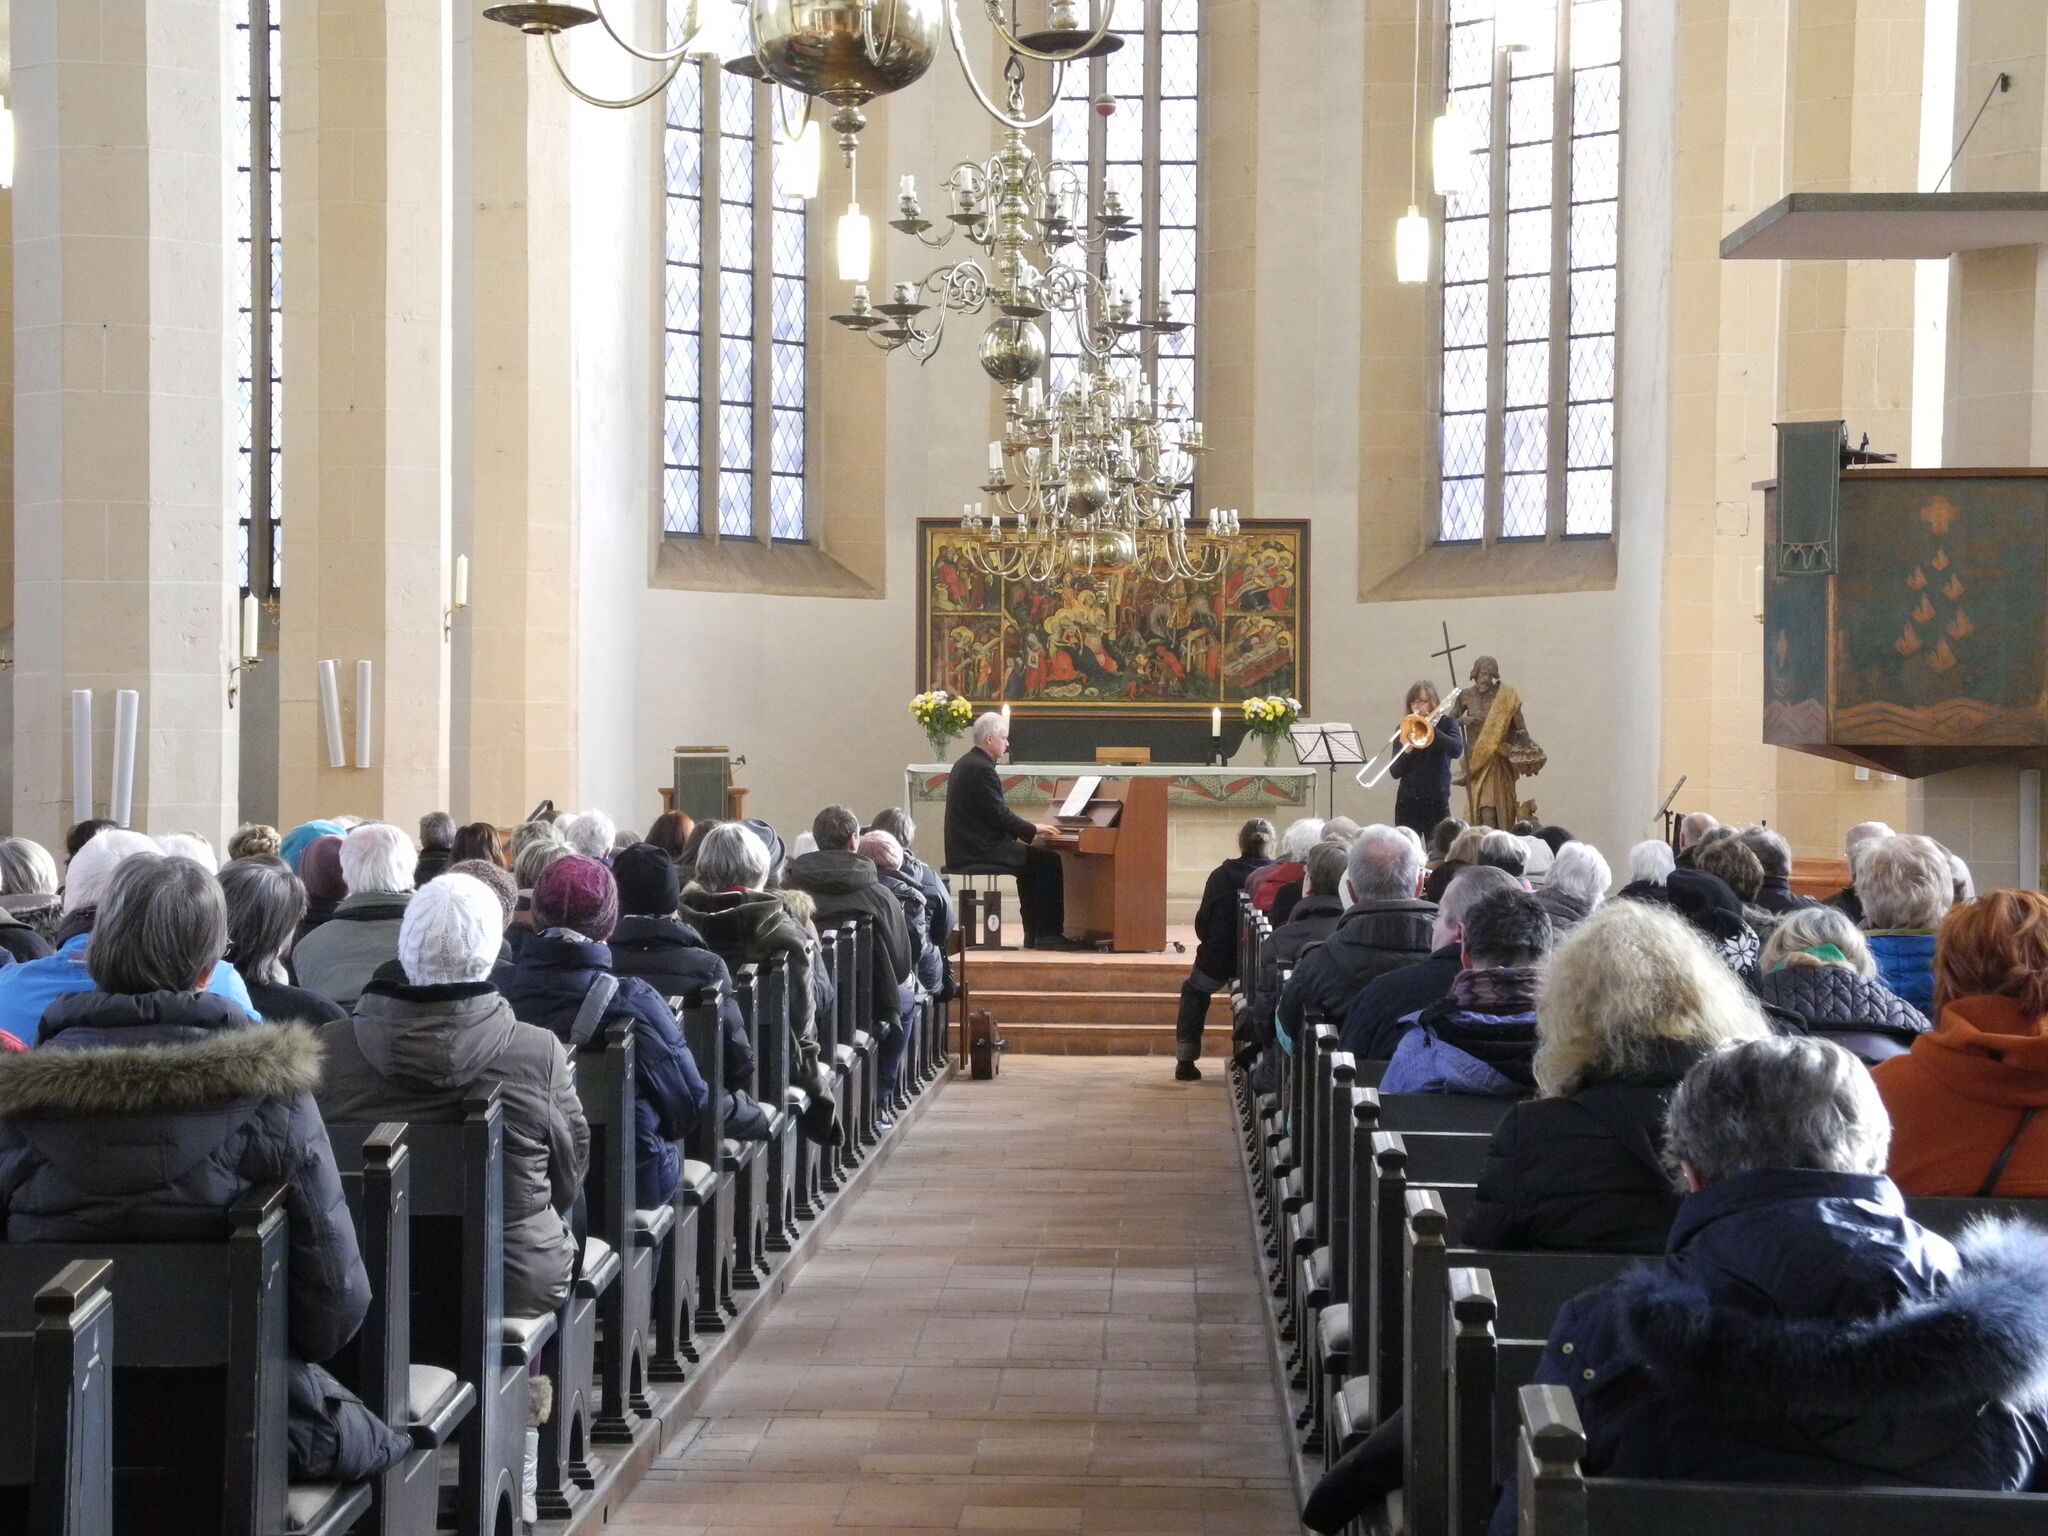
255 63
1526 388
735 316
1145 152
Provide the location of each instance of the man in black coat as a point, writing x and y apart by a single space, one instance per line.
843 884
1424 773
982 829
1385 928
1385 1011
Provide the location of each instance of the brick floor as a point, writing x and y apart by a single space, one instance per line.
1043 1316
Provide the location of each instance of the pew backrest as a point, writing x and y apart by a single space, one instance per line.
696 1015
56 1413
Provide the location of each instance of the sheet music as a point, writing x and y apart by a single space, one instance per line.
1083 791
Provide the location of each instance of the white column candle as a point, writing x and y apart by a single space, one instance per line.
251 636
995 458
330 715
363 702
81 754
1216 722
121 793
461 583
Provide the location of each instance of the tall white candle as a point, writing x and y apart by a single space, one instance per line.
330 715
1006 715
251 636
461 583
363 701
1216 721
121 794
995 458
908 186
81 754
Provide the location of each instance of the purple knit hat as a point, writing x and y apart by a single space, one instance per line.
320 869
578 894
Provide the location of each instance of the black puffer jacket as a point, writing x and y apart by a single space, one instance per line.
1373 938
1315 918
844 884
143 1118
672 957
1216 917
1859 1013
1583 1173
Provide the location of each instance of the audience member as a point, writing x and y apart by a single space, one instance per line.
670 832
416 1049
29 907
528 832
938 900
1289 867
590 833
437 846
1554 838
189 845
1385 1010
1803 1328
1315 916
1577 884
1906 888
575 908
498 880
82 833
265 903
1966 1104
1481 1037
1536 853
1731 862
295 842
1650 864
255 840
338 958
886 854
1707 902
152 1103
1817 968
1855 842
1774 855
1441 837
1691 828
650 941
319 870
1965 882
771 841
476 842
31 987
843 884
747 925
1341 829
1477 847
1385 927
534 858
686 861
1216 934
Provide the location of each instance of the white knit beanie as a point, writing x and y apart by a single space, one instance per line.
451 933
95 863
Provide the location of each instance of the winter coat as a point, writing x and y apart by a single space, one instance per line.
1372 938
1905 959
28 990
338 958
1778 897
432 863
145 1117
939 918
1651 891
1957 1099
751 928
1847 900
1263 885
1855 1011
1802 1329
545 986
1584 1173
1566 911
1480 1039
1216 917
276 1003
1438 880
1386 1010
415 1053
843 884
41 912
1424 776
980 826
1315 918
18 941
1711 905
926 966
672 957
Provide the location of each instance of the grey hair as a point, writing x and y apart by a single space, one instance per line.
162 927
988 725
1650 861
1323 869
437 830
534 857
731 854
1383 865
1905 882
1302 834
265 905
1496 844
26 868
1465 846
376 856
1777 1102
529 832
1770 848
1959 872
1628 981
1579 870
1694 826
1805 928
590 834
1863 832
1341 829
895 821
1468 887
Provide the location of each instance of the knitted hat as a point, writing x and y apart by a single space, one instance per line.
320 869
771 840
86 880
882 849
296 841
495 876
451 932
646 877
578 894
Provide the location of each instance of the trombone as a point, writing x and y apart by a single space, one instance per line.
1413 734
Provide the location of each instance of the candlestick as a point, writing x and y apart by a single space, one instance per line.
121 794
81 754
907 187
995 458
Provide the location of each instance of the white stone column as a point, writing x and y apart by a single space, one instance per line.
366 541
122 548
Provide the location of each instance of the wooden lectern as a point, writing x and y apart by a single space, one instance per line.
1113 849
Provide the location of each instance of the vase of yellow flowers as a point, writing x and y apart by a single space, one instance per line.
942 716
1269 719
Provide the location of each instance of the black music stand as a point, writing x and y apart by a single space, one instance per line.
1326 744
1672 818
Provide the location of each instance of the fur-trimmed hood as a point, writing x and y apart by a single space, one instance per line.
1982 1336
233 1065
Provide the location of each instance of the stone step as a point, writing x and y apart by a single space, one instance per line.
1060 1007
1042 971
1050 1039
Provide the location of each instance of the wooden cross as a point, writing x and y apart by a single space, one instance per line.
1450 656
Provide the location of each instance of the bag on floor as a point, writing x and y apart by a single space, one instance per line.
984 1045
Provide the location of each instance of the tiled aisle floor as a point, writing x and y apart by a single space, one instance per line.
1042 1317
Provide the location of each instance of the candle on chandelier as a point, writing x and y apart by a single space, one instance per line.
907 188
995 458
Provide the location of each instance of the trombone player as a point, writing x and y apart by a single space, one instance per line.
1423 769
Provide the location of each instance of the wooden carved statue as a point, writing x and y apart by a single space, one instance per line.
1499 752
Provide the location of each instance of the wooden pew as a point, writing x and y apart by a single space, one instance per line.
1325 1269
866 1043
425 1402
788 1151
457 1198
57 1417
1298 1185
747 1161
709 1186
1557 1499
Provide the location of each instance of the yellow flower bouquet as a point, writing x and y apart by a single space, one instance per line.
942 716
1269 717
